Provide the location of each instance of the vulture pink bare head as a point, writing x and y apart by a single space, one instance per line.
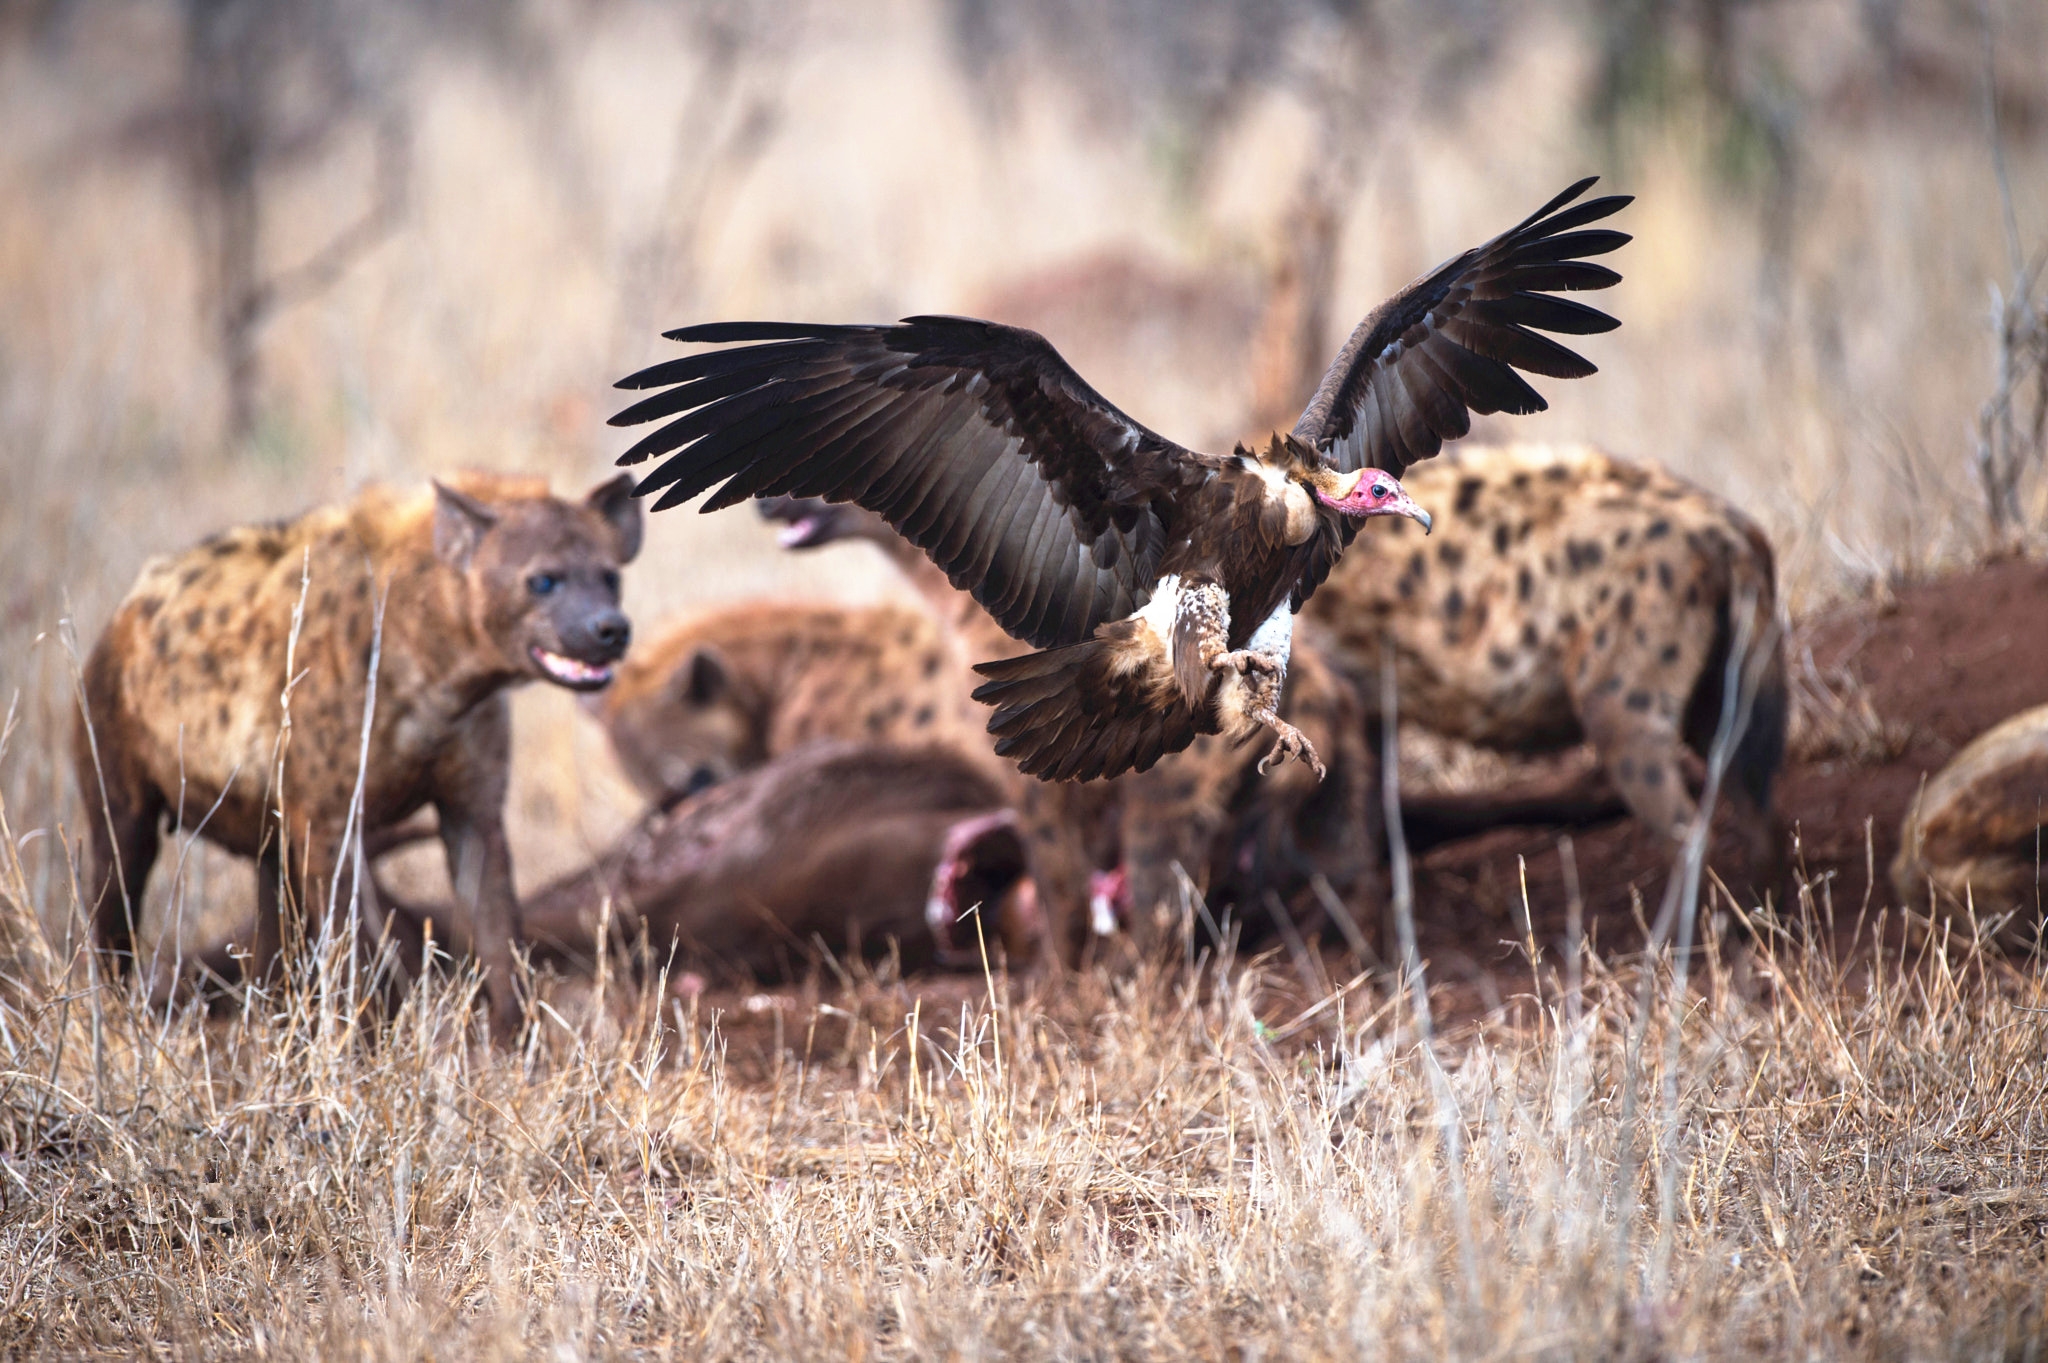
1369 492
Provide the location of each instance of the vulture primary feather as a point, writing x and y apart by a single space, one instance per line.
1158 583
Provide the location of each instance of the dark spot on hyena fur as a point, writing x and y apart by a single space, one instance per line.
1664 576
1525 583
190 576
148 606
1639 700
1642 574
1568 624
1557 473
1501 659
249 624
1522 530
875 724
1610 686
1653 774
1468 495
1626 607
220 614
1583 554
1520 480
1668 654
1626 769
1642 636
220 547
1450 555
1659 528
1606 590
1501 538
160 644
907 637
221 714
194 618
931 664
923 717
1418 565
1692 595
1529 635
1454 604
1600 638
1621 540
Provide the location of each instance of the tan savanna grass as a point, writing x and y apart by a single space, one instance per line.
1806 1152
1807 1158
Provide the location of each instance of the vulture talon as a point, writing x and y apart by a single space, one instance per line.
1246 662
1289 742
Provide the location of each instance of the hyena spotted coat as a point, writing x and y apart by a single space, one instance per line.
483 583
725 690
1567 595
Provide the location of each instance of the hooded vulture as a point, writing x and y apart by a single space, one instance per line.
1160 583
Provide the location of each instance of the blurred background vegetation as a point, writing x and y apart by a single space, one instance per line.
257 252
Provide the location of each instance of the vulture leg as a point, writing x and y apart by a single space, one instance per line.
1252 676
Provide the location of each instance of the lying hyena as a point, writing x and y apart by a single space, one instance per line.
1973 838
1571 595
481 584
1204 809
723 691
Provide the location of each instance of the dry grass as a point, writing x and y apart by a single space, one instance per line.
1824 1159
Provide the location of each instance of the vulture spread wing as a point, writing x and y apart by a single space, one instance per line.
976 441
1449 344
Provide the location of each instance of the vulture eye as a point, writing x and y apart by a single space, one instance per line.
542 584
1379 489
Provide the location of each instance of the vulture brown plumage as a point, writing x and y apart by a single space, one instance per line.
1158 582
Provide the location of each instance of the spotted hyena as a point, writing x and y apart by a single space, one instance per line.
1567 595
724 691
482 583
1236 834
1973 838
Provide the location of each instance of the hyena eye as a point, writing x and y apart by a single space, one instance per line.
611 581
1379 489
540 584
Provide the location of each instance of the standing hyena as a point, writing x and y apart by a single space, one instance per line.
1571 595
483 583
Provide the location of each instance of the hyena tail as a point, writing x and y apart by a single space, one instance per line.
1760 751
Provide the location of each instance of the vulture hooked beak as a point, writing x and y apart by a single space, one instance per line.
1371 492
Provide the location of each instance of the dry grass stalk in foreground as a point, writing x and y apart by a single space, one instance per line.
1171 1166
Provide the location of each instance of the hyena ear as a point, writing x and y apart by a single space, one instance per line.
613 499
705 677
460 524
